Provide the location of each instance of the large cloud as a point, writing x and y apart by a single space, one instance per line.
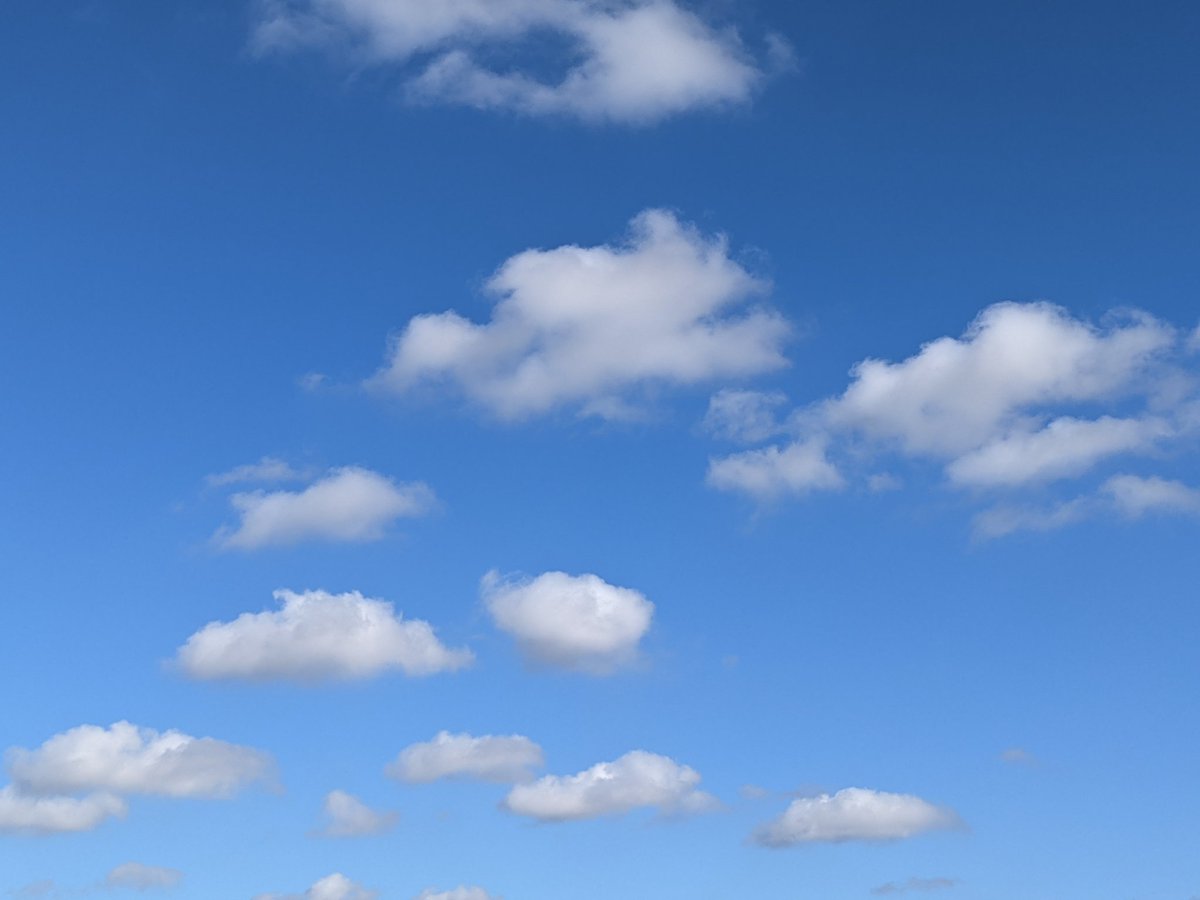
347 816
591 327
855 814
22 813
348 504
633 61
571 621
636 780
506 759
317 635
126 759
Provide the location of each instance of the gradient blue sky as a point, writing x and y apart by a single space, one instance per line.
191 227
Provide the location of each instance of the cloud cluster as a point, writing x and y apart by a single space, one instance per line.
347 504
141 877
332 887
347 816
591 328
636 780
317 635
634 61
855 814
578 622
505 759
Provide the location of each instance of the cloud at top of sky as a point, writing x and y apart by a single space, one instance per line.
350 504
632 62
1028 396
317 636
591 329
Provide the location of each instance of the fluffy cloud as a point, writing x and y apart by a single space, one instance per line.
794 469
915 884
458 893
638 779
1136 496
22 813
505 759
142 878
855 814
348 504
266 469
347 816
317 635
576 622
126 759
590 327
332 887
635 61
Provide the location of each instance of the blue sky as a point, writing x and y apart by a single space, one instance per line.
758 439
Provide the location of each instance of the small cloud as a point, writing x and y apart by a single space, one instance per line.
507 759
312 381
1018 756
267 469
44 888
882 482
140 877
332 887
855 814
458 893
915 884
753 792
744 416
347 816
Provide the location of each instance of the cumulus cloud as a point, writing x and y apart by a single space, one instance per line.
126 759
266 469
458 893
317 635
578 622
506 759
592 328
636 780
795 469
332 887
347 816
915 884
635 61
22 813
855 814
140 877
348 504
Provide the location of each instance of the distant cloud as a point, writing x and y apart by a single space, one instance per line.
22 813
316 636
507 759
744 416
266 469
140 877
632 62
1136 496
592 328
47 887
636 780
855 814
347 816
915 884
332 887
458 893
578 622
795 469
126 759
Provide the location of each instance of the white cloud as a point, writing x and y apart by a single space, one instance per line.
507 759
578 622
317 635
348 504
22 813
266 469
347 816
855 814
591 327
744 416
636 780
1136 496
458 893
636 61
142 878
795 469
915 884
126 759
332 887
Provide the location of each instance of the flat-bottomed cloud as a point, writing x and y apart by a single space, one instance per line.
855 814
500 758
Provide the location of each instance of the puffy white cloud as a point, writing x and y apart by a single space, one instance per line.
506 759
21 813
635 61
458 893
636 780
578 622
855 814
794 469
317 635
915 884
266 469
126 759
590 327
142 878
347 816
1136 496
332 887
348 504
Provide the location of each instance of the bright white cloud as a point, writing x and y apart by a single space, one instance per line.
458 893
578 622
347 816
266 469
332 887
140 877
22 813
506 759
348 504
636 780
794 469
1136 496
317 635
590 328
635 61
855 814
126 759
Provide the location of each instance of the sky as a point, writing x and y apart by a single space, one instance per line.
532 449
